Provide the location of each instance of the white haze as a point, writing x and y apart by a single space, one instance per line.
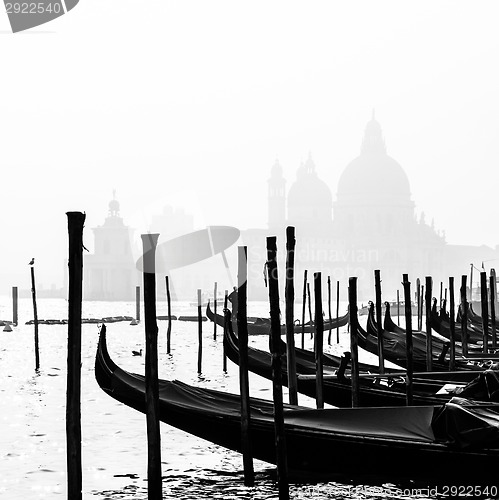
189 103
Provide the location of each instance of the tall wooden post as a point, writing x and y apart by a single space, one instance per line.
15 317
242 335
310 310
485 311
290 299
73 392
215 311
169 309
418 298
319 341
420 312
379 322
227 318
137 303
275 344
398 308
337 312
464 316
440 302
303 309
329 308
429 338
35 318
200 333
452 325
354 350
408 329
154 482
493 310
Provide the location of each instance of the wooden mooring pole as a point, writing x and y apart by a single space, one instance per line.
242 336
485 310
35 317
310 310
379 322
15 317
398 308
354 350
303 309
215 311
227 318
329 309
275 345
319 341
464 316
200 333
493 310
154 481
337 311
169 310
137 303
408 330
290 299
452 325
429 338
418 298
73 392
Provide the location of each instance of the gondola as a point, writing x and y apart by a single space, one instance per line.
416 441
337 386
261 326
395 348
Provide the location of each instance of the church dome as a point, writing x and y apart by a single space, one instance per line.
374 174
308 189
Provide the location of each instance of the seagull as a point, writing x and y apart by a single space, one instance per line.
31 262
137 353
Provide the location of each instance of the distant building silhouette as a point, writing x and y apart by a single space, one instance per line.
371 225
110 272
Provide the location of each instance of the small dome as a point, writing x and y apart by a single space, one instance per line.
310 193
114 207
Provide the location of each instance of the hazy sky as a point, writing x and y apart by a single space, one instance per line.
189 103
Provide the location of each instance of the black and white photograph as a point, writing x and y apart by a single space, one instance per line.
249 250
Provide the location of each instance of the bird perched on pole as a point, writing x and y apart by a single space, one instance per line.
31 262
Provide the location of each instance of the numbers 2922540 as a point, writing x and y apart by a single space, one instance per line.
33 8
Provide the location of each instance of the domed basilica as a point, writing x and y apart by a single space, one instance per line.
370 224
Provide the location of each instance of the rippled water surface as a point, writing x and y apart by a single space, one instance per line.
114 453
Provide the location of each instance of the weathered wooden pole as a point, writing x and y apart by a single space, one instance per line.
418 298
200 333
290 299
303 309
471 282
464 316
408 329
319 340
379 322
275 344
35 317
337 312
227 318
485 310
420 313
15 317
154 481
429 337
493 310
73 392
137 303
169 309
329 308
242 336
354 350
440 302
310 310
215 311
398 308
452 325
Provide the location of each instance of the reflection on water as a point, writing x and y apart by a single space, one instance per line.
114 448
